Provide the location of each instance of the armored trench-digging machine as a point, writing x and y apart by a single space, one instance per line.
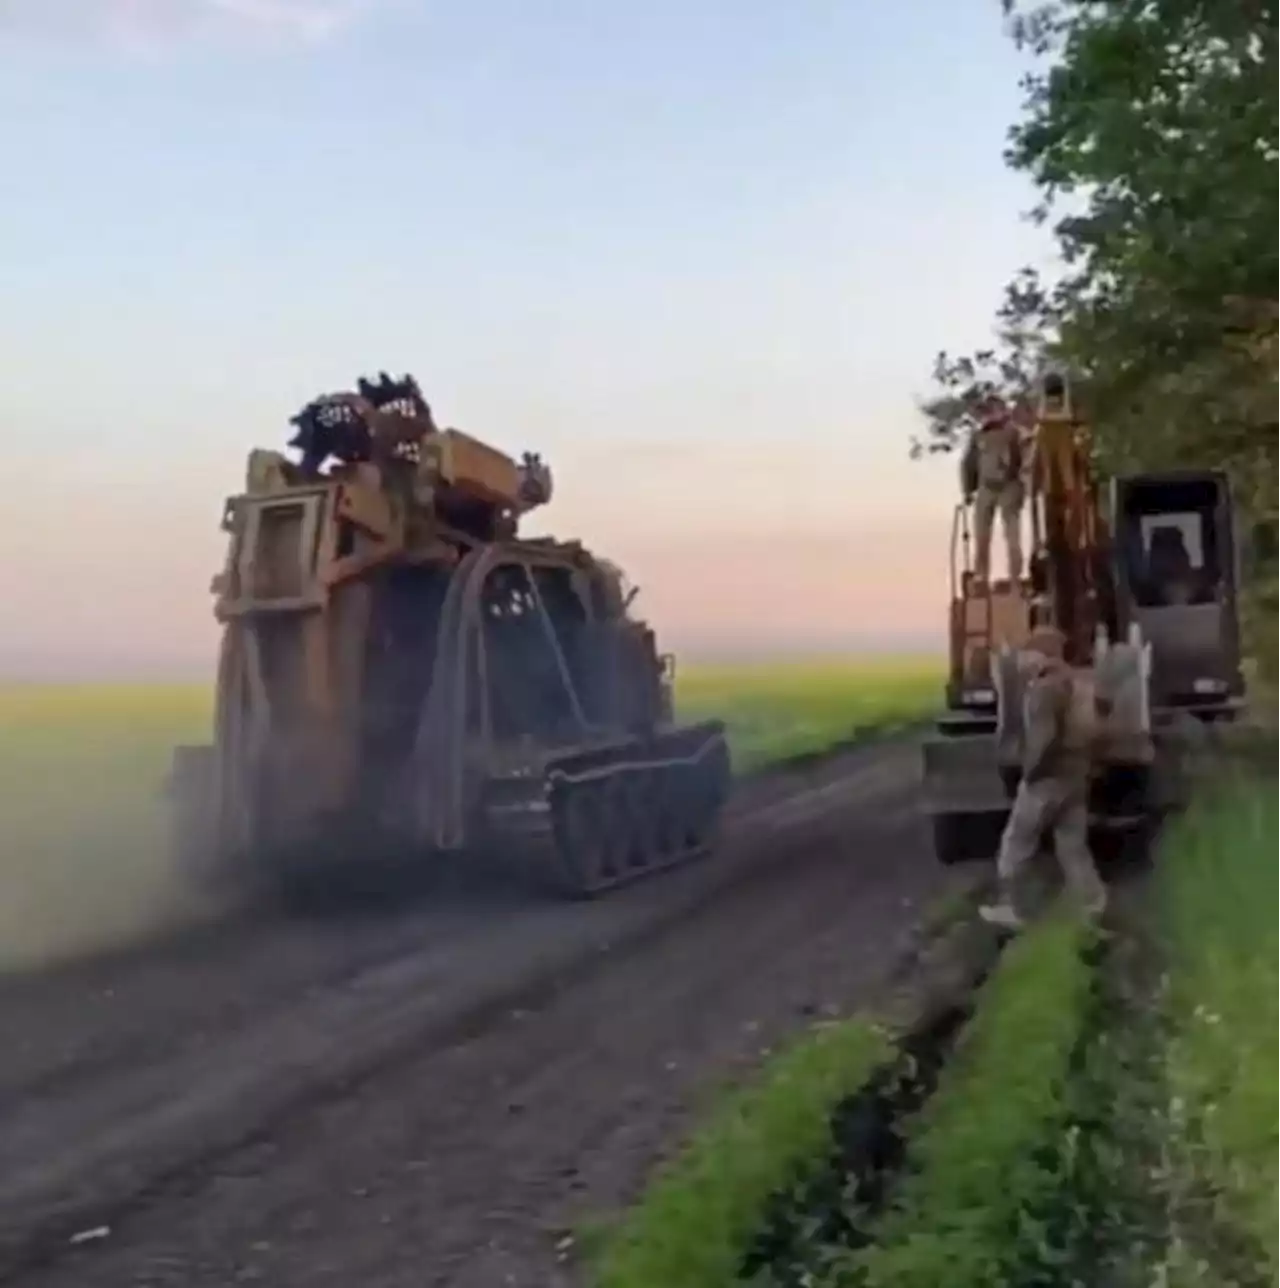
402 673
1142 582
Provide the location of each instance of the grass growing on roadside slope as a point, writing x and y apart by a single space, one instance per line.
1216 919
778 711
984 1165
696 1220
987 1160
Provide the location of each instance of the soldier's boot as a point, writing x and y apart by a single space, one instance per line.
1003 915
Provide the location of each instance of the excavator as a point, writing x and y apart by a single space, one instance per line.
1141 577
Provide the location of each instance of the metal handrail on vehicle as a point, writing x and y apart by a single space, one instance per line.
959 537
961 543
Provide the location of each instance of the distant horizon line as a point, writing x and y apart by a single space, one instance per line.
31 671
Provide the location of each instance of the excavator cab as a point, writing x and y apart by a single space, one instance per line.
1176 575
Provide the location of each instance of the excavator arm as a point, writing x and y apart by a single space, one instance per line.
1066 526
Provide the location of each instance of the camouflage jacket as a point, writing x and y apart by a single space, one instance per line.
1058 727
992 458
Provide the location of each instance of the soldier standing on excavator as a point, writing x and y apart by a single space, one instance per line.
991 478
1059 726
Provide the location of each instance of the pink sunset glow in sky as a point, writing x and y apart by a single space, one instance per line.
699 255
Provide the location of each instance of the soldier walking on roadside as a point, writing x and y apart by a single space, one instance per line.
991 478
1053 796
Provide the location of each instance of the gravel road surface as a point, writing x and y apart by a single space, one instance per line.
443 1095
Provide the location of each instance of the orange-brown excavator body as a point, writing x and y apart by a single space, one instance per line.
1157 638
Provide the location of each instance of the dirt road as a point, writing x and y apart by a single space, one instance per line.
438 1097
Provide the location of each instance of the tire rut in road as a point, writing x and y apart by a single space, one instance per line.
81 1021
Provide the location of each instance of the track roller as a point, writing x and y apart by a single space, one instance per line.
625 812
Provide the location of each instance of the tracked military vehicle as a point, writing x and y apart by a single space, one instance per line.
401 672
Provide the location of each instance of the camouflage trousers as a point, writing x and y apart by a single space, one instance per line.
1008 501
1057 809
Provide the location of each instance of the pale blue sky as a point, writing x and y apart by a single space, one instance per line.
700 253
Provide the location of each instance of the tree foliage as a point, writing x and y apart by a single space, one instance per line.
962 384
1149 128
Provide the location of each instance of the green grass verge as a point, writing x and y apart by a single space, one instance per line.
697 1218
987 1159
1114 1213
778 712
1216 920
984 1164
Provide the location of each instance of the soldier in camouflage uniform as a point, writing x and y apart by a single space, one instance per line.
1053 796
991 477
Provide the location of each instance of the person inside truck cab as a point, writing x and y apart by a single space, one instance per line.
1171 576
